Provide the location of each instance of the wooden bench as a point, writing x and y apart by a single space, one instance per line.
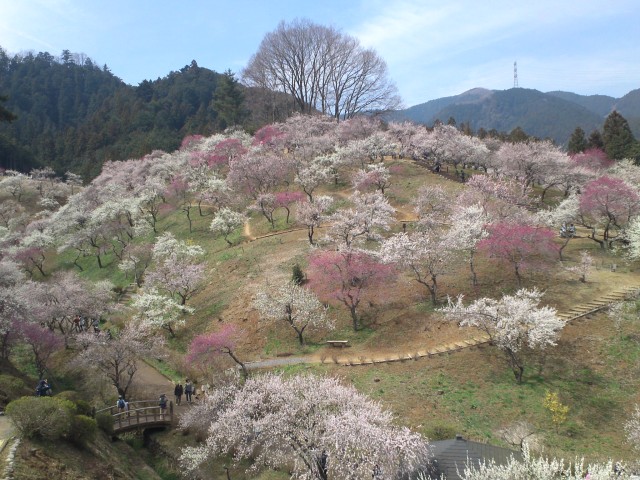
338 343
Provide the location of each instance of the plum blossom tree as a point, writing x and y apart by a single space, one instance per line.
541 468
258 171
13 304
136 258
468 227
117 358
286 199
584 267
43 343
376 175
155 310
314 426
346 276
370 213
225 222
205 348
519 245
609 203
313 214
513 323
427 255
632 428
296 306
177 271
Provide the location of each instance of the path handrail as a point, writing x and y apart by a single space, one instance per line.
131 404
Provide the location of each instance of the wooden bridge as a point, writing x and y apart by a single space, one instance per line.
140 415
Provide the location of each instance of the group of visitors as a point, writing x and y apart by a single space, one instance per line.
188 390
81 324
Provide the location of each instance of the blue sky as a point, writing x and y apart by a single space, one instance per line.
432 48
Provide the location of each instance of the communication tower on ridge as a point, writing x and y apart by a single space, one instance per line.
515 74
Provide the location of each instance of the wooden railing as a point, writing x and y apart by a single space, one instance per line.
140 414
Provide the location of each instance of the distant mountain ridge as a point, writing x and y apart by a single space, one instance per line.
552 115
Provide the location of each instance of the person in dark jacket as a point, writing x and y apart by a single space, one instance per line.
178 391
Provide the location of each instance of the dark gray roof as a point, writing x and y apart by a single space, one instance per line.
449 456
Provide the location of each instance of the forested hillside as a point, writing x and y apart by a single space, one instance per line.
74 115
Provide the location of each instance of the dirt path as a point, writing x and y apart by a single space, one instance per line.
247 231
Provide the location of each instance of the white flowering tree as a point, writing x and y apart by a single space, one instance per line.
512 323
315 427
117 357
298 307
541 468
468 227
370 213
426 255
159 311
312 214
225 222
584 266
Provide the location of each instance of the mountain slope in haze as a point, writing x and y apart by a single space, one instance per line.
600 104
539 114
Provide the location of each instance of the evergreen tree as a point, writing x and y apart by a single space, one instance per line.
595 140
617 136
228 101
5 115
577 142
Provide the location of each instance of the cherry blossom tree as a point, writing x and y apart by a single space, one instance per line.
117 357
513 323
225 222
296 306
205 348
346 276
155 310
427 255
313 214
314 426
522 246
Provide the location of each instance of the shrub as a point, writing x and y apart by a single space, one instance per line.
48 418
83 429
82 407
104 421
11 386
297 275
441 432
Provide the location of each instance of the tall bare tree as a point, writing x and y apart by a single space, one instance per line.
323 70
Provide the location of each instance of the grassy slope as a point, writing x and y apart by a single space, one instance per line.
594 368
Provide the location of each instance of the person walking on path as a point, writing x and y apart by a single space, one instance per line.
121 404
188 390
162 402
178 393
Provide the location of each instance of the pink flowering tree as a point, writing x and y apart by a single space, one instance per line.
287 199
206 348
346 276
608 203
315 427
513 323
43 343
225 152
521 246
294 305
375 175
258 171
593 159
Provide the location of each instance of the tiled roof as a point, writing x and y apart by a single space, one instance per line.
452 455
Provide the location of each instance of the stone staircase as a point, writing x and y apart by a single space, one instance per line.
128 292
583 310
